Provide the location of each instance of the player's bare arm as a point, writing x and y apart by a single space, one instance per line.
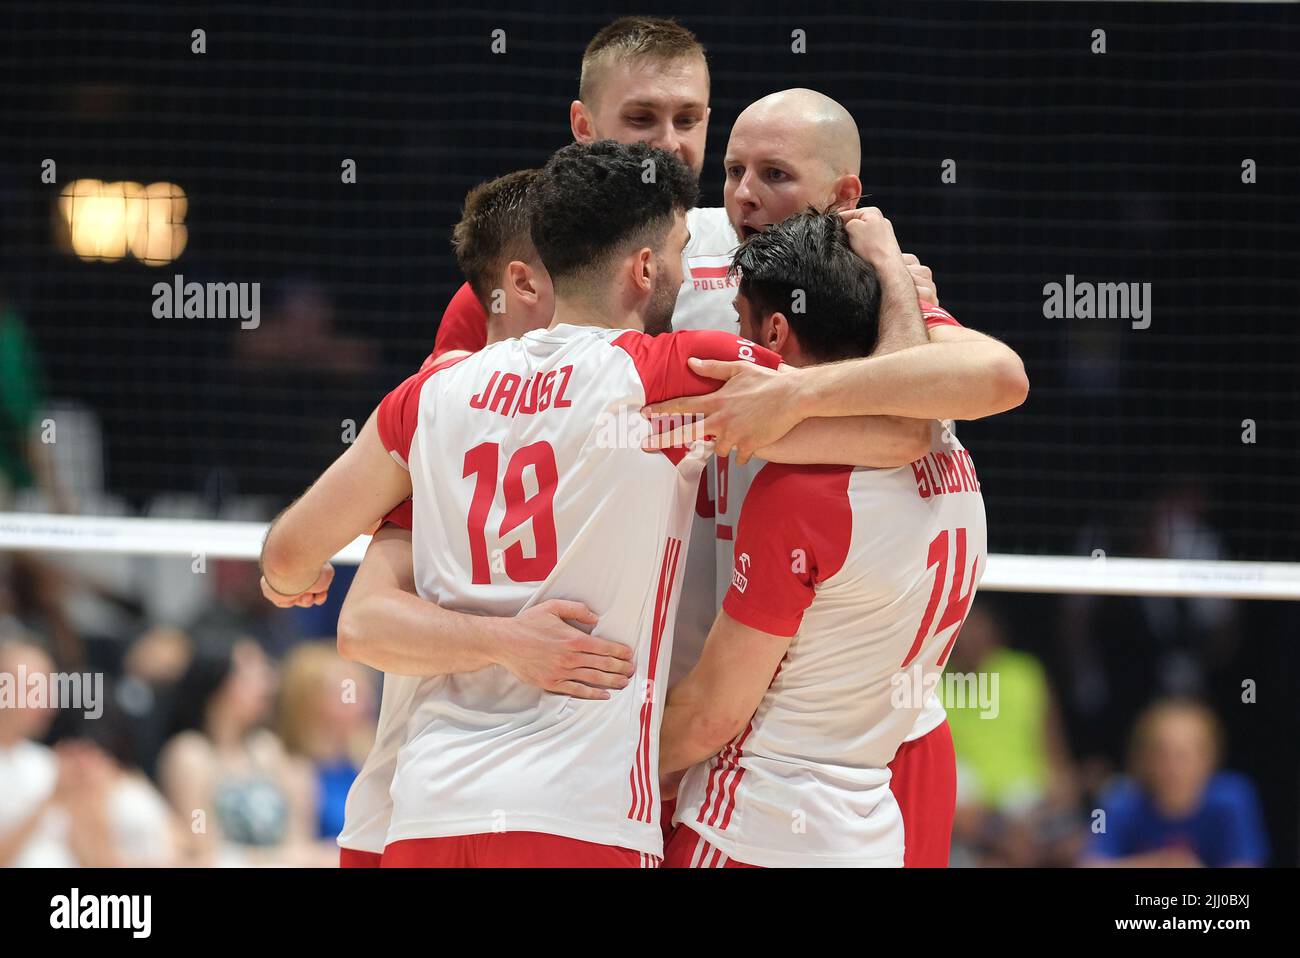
711 705
384 624
349 499
958 374
877 442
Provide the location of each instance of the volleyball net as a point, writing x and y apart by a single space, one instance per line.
1097 574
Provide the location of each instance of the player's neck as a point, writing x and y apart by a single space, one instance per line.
509 325
582 312
498 329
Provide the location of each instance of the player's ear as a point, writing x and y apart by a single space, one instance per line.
776 332
643 269
519 275
580 122
847 192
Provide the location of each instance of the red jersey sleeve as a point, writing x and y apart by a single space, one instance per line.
463 324
793 534
398 412
661 361
936 316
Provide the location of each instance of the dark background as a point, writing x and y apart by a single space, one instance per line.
1122 167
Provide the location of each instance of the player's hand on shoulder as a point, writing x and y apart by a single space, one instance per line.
317 593
755 407
544 648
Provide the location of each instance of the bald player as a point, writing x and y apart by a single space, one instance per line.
787 719
787 152
646 79
707 286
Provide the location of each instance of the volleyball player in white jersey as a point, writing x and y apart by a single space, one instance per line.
642 79
521 493
845 582
385 626
646 79
787 152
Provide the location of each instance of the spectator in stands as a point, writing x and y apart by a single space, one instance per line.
24 460
144 692
242 799
73 804
1016 791
326 718
1177 809
38 785
1120 652
238 608
301 331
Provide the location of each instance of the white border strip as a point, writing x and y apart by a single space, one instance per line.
1167 577
215 539
1005 573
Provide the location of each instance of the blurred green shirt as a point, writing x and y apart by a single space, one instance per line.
20 400
1004 758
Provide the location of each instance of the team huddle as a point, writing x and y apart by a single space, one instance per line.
673 521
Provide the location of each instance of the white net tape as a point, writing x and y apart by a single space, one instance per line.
1099 575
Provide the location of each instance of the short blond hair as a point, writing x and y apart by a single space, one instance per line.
641 38
1148 724
305 679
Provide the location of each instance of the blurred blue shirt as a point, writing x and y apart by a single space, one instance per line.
332 783
1226 829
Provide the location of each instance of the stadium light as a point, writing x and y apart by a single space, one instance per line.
104 221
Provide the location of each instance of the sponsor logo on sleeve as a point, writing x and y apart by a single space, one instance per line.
739 578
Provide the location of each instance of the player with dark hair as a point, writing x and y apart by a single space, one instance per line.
622 55
831 632
807 259
577 232
787 152
518 498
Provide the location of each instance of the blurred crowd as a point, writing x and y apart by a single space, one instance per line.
207 753
233 743
1026 799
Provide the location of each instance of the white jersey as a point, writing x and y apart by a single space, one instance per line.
529 483
370 806
728 483
704 302
872 572
705 299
